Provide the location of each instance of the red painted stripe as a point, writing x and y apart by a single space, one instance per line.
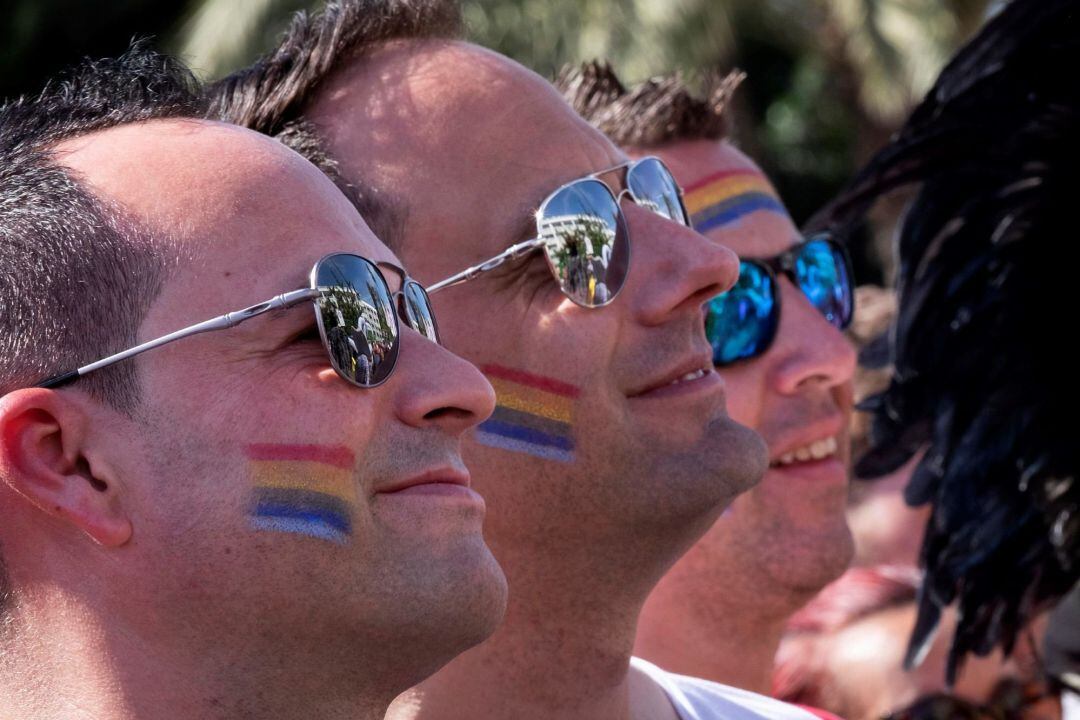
720 176
536 381
336 455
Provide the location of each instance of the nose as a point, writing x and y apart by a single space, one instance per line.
673 269
810 351
436 389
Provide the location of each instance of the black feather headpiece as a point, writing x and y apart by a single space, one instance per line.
986 375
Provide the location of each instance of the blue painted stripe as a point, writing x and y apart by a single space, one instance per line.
518 418
300 526
731 210
308 513
503 442
525 434
311 500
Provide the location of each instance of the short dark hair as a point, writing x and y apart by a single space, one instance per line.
76 275
272 95
658 111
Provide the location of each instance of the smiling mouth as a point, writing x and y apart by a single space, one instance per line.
817 450
688 377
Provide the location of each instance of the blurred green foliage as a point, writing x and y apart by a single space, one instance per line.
829 80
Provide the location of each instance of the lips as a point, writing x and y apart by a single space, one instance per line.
441 476
690 370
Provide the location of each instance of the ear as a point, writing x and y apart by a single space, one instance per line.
44 458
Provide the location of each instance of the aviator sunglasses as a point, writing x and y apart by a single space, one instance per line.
355 311
741 323
583 232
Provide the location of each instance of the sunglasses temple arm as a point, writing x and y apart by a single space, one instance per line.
511 253
221 322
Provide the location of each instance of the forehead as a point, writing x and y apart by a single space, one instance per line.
470 141
729 198
250 216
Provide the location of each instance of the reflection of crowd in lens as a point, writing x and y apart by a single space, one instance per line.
361 350
583 246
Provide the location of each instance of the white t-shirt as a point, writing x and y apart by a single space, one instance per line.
697 699
1070 706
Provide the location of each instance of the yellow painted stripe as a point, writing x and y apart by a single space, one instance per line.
531 400
724 189
305 475
733 185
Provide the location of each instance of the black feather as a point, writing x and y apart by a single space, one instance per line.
987 284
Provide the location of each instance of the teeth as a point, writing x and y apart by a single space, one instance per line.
823 448
814 451
689 376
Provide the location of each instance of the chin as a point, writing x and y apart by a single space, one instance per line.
739 455
727 461
680 493
459 595
465 608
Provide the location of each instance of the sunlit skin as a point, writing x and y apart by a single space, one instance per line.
720 611
151 596
472 143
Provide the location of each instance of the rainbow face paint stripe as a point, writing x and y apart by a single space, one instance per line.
303 489
532 415
726 197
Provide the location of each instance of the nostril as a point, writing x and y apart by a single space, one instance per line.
448 413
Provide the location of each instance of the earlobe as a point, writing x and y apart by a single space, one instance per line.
45 457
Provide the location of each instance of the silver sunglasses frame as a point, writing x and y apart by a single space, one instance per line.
232 319
520 250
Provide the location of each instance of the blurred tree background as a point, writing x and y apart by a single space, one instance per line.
829 80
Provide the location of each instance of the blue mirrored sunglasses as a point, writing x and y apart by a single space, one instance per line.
741 323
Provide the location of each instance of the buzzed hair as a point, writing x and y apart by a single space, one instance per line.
76 276
659 111
273 95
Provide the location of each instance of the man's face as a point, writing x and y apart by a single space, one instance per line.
796 394
594 433
264 489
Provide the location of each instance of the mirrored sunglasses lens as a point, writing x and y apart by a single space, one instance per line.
357 319
822 275
418 311
585 239
741 323
653 187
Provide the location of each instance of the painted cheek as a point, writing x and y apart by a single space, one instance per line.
303 489
533 415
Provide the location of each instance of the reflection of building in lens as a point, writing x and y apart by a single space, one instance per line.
580 247
586 233
653 206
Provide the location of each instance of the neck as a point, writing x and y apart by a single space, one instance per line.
563 651
694 629
76 667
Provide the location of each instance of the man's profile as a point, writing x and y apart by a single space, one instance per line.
777 341
610 450
225 523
